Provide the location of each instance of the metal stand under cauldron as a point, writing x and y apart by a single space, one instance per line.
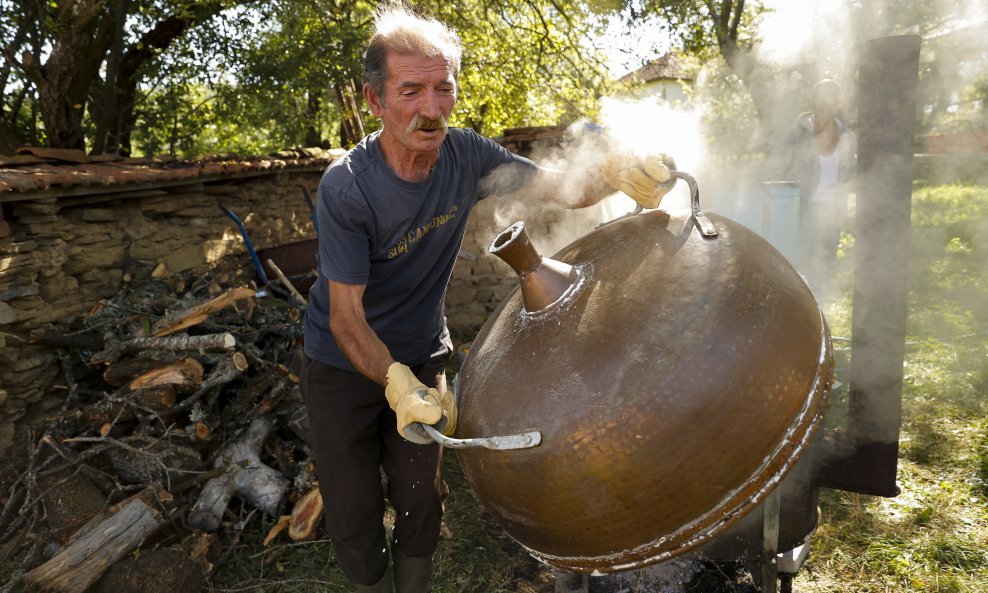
772 540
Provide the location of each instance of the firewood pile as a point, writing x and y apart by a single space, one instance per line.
181 421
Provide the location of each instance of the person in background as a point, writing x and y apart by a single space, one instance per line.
392 213
821 156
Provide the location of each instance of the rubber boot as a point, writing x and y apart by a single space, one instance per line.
411 574
385 585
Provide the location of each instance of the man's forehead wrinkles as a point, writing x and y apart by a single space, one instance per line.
409 84
404 67
423 72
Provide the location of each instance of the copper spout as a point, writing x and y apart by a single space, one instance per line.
543 280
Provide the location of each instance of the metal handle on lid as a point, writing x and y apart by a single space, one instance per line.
524 440
702 222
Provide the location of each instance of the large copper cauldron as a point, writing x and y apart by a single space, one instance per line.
676 366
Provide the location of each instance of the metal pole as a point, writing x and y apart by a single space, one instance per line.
769 569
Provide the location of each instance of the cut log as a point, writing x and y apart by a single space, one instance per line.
207 343
122 372
246 477
221 374
201 430
175 322
185 373
305 516
99 545
228 369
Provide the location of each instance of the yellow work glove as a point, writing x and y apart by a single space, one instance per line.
415 403
646 180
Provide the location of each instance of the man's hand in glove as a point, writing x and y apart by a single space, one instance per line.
645 180
415 403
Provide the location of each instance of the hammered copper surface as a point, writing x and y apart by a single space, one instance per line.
673 390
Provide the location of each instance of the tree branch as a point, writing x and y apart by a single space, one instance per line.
723 19
16 42
736 21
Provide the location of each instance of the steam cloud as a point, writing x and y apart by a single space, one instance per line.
806 41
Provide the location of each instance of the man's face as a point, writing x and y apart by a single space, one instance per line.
418 97
826 101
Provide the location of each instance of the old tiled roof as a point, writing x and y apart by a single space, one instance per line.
34 171
40 172
668 67
522 140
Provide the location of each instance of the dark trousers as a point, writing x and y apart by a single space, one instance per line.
354 434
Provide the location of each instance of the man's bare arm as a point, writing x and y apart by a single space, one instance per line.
348 322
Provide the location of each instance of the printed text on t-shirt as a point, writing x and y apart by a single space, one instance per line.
401 246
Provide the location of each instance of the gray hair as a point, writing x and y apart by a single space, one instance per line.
828 90
398 29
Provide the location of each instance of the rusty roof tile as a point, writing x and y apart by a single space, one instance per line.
669 66
61 154
42 169
22 159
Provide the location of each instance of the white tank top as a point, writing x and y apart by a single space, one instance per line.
829 176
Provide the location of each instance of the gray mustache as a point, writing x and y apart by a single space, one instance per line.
427 123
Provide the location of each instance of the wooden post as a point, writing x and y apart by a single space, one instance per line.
889 80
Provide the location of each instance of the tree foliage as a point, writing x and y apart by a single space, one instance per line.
303 69
525 63
79 63
194 76
187 76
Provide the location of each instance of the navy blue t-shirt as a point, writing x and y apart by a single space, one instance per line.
400 239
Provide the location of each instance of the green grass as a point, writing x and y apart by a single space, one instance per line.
934 535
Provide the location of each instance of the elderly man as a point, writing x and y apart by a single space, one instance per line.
392 213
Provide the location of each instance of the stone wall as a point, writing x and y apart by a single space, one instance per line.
62 256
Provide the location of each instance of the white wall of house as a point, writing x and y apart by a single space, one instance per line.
665 90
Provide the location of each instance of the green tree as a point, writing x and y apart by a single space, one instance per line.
523 64
304 68
67 55
178 75
727 27
529 63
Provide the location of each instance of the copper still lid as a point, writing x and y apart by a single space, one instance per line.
676 368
